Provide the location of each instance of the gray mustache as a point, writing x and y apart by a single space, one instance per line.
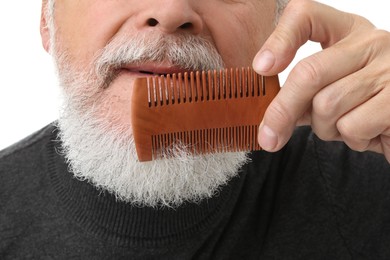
188 52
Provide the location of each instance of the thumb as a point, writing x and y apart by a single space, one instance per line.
300 22
280 48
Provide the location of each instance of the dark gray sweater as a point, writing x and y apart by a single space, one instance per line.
312 200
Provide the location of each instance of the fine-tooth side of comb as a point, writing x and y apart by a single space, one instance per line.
204 111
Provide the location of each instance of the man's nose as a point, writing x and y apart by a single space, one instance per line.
172 16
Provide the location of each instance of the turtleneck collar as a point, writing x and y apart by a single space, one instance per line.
100 213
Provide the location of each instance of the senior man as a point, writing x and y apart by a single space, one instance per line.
75 189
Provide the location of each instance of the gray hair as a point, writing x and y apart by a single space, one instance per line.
280 5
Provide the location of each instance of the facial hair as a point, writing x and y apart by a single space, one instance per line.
104 153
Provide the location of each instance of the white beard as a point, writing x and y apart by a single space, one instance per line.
105 155
109 161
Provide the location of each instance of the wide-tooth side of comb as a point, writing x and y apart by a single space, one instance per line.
204 111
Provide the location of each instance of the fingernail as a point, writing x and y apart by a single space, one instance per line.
264 61
267 138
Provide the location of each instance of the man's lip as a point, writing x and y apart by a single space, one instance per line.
154 70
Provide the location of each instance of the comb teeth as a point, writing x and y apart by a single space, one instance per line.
207 140
201 112
204 85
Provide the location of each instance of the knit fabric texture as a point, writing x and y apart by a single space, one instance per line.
312 200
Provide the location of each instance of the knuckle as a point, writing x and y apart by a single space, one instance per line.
309 71
346 128
376 43
350 134
324 105
284 38
381 36
279 114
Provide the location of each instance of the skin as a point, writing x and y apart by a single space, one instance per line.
347 102
343 92
85 27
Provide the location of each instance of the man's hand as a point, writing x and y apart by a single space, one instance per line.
343 91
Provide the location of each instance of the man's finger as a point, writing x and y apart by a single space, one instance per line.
316 22
306 79
366 122
340 97
301 21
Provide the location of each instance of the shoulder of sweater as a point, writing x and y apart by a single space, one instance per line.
27 144
358 188
23 168
337 157
334 156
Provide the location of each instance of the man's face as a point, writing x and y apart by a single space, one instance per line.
236 29
101 46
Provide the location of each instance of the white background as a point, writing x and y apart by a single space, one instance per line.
28 86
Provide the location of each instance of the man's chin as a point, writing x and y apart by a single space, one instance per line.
109 161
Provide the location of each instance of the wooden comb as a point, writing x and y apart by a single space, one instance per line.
206 111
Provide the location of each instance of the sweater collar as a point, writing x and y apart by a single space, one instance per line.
98 211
